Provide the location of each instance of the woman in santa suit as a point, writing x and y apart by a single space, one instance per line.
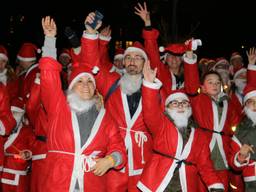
83 141
7 74
213 112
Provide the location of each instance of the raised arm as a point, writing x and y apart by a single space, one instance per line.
51 92
251 73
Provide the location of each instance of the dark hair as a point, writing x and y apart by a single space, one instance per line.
210 73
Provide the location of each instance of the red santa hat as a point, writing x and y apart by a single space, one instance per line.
249 91
17 105
3 53
175 94
80 71
235 55
65 52
239 72
136 47
28 52
119 54
220 61
174 49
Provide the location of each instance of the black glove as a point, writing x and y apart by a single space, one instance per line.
72 37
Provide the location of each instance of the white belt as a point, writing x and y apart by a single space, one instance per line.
86 162
17 174
140 137
38 157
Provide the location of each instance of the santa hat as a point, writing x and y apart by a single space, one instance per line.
235 55
17 105
80 71
175 94
220 61
119 54
249 91
136 47
240 71
174 49
3 53
65 52
28 52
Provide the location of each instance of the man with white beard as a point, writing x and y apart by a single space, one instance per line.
180 149
122 96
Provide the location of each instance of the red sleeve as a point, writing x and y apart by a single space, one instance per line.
90 51
7 122
50 84
33 104
116 143
151 47
251 75
191 78
104 56
152 109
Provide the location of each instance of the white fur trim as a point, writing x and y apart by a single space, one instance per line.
79 76
119 56
155 85
136 49
252 67
216 186
31 68
17 109
240 71
3 56
235 57
250 179
249 95
237 164
17 174
26 58
90 36
104 38
142 187
196 43
161 49
95 70
38 157
77 50
174 96
188 60
2 128
37 80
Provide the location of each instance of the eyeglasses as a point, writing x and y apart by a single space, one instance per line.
136 59
176 103
251 102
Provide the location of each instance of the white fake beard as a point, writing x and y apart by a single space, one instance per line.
3 77
77 104
240 85
130 83
224 76
250 114
180 119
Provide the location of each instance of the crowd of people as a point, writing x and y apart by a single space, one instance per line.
141 121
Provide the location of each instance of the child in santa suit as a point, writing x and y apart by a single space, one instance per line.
17 148
213 113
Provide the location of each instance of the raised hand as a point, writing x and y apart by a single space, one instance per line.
148 73
244 152
251 55
49 26
106 31
143 13
89 19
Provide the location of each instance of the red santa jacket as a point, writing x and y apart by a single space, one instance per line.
66 159
38 119
137 139
159 170
152 49
16 168
205 113
7 122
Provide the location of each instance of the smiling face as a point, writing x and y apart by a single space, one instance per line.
134 63
212 85
84 88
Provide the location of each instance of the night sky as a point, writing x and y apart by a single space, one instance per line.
224 26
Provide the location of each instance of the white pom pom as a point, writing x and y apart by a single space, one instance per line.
38 51
196 43
95 70
161 49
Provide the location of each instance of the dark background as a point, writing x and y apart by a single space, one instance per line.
224 26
